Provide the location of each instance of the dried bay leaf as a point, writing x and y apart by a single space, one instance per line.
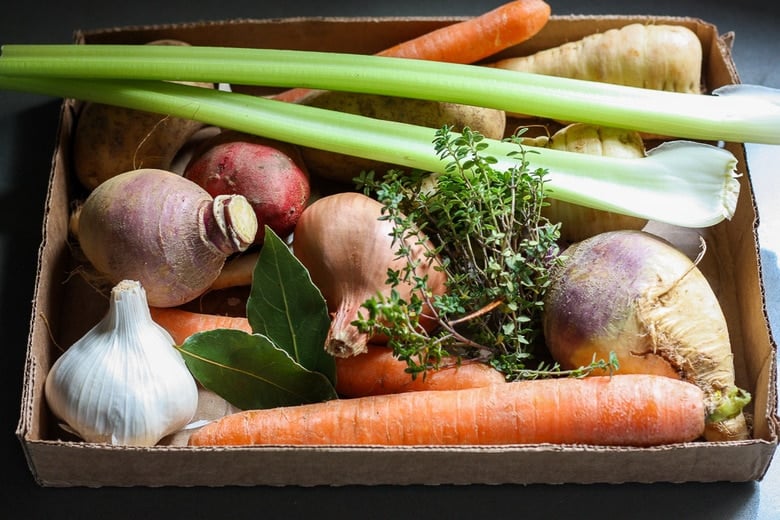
283 362
251 372
287 307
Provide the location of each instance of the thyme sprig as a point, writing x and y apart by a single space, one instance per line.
495 245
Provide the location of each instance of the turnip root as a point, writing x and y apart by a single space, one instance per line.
634 294
660 57
270 174
109 140
580 222
164 231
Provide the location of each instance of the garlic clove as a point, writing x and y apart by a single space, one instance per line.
123 382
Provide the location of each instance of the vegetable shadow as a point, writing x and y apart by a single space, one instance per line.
770 272
27 140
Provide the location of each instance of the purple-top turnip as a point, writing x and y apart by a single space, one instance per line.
633 294
270 174
163 230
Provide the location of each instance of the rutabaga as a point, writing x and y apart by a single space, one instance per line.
630 293
123 383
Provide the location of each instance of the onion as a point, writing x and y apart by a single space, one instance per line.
634 294
348 251
164 231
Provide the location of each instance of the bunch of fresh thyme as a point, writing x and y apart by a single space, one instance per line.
496 247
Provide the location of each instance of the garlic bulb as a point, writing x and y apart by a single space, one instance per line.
123 382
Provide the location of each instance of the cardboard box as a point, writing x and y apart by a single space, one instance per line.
64 308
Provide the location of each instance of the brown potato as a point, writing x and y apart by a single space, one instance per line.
432 114
110 140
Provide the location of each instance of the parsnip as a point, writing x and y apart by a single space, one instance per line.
659 57
580 222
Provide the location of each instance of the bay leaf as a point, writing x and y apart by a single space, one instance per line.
286 306
251 372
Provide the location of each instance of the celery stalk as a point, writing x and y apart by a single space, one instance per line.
736 118
683 183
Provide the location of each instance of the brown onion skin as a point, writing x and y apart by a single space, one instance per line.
348 251
159 228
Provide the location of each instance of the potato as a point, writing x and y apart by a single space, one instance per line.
432 114
109 140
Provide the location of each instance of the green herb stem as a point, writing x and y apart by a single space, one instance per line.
683 183
735 116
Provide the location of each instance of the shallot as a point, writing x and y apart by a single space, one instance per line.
348 250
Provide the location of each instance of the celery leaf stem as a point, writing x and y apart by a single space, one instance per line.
706 117
695 188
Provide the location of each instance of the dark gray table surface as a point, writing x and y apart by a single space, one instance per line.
27 131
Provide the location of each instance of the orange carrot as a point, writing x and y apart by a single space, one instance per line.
237 272
181 323
468 41
625 410
378 372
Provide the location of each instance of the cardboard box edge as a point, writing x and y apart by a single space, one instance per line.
31 446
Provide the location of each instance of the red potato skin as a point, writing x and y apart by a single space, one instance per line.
270 174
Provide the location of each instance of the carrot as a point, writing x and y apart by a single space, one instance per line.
660 57
237 272
378 371
479 37
181 323
625 410
468 41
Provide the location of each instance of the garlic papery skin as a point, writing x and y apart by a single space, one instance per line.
123 382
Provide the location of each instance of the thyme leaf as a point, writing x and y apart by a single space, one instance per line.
496 247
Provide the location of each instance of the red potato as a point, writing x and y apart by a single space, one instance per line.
270 174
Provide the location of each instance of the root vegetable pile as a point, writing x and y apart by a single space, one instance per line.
457 295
